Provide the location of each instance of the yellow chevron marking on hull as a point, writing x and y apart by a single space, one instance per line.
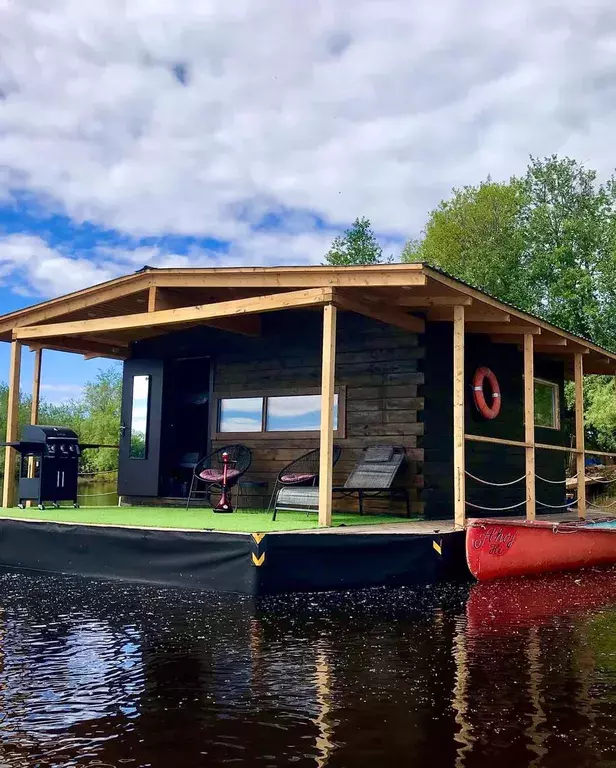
258 561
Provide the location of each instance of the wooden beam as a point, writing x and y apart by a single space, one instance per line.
292 277
34 409
409 300
12 426
504 328
434 276
152 296
166 298
84 347
529 425
520 444
65 305
554 341
380 312
496 441
444 314
327 415
459 465
580 459
169 317
36 386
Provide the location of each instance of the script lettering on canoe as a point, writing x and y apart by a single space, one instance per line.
496 539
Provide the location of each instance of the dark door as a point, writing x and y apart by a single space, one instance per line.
142 398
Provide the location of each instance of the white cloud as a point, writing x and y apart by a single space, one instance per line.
307 106
33 268
60 393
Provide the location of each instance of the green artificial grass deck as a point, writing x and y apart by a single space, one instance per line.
248 521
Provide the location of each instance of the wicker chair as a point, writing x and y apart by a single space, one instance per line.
303 471
209 469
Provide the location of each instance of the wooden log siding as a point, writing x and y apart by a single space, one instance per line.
379 366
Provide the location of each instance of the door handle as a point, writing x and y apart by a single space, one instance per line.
122 429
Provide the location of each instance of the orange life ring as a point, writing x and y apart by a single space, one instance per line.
479 379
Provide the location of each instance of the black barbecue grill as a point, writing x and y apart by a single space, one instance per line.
50 455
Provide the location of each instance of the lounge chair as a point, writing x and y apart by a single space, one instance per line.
209 469
372 476
301 473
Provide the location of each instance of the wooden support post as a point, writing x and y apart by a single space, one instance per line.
36 385
580 456
327 415
36 399
12 424
529 424
459 464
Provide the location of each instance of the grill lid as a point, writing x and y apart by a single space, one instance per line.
42 433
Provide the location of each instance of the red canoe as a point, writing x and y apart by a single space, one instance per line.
499 548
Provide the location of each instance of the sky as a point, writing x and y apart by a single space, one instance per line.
209 132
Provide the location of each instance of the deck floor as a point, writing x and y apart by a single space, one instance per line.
247 522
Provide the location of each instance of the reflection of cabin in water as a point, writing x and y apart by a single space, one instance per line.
218 356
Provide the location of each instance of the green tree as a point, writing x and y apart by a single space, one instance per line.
568 221
358 245
545 242
475 236
101 403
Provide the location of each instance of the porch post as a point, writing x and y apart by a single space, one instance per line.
529 424
12 420
36 398
459 464
327 415
580 456
36 385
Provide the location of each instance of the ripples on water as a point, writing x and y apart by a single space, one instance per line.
515 674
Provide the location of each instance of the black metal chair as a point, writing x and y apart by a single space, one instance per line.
209 469
303 471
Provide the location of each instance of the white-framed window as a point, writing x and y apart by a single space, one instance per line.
547 404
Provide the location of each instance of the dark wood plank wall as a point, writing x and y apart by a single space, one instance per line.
378 365
491 462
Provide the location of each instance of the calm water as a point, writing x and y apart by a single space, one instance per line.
98 492
518 674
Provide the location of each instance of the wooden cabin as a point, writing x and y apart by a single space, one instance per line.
215 356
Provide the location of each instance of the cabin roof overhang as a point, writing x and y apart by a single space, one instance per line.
105 319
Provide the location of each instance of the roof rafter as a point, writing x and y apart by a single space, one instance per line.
170 317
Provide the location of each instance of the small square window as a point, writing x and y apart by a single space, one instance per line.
547 404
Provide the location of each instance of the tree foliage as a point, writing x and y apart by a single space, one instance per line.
545 242
475 236
358 245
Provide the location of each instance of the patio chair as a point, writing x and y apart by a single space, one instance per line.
374 475
209 470
302 472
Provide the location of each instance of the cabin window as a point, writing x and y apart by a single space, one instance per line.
139 417
240 414
296 413
547 404
299 412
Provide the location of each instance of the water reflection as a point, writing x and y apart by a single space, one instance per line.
517 674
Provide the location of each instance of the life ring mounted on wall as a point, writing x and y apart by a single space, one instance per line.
483 375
